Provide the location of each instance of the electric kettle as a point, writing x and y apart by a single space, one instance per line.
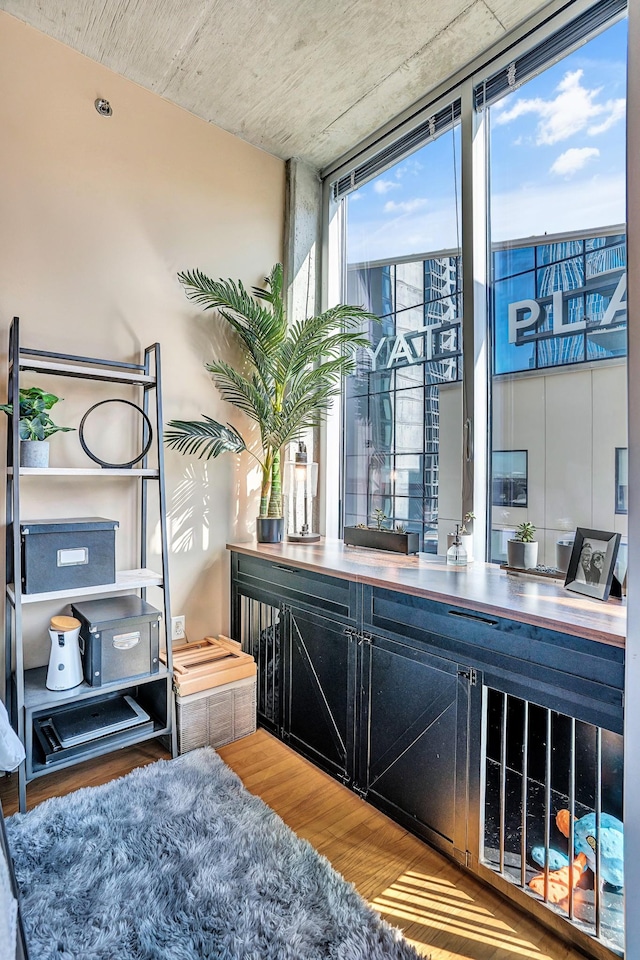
65 663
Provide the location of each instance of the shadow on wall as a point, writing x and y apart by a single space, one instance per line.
189 518
215 500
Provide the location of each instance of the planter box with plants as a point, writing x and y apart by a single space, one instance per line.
291 374
381 537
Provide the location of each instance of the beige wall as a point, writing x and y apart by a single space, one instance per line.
96 217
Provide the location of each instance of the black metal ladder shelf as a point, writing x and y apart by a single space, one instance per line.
26 695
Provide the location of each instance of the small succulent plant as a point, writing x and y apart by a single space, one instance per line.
525 532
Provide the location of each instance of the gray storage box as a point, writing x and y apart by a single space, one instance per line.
217 716
121 638
67 554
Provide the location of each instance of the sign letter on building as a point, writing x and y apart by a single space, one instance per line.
518 319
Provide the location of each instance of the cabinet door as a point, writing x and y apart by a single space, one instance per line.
320 690
413 746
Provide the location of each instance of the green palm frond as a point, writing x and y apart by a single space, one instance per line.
296 371
250 396
336 330
205 437
259 329
272 293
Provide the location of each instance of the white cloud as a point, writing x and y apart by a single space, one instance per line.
411 165
618 112
573 160
573 109
384 186
405 206
581 204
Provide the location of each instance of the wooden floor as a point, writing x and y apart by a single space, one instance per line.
442 910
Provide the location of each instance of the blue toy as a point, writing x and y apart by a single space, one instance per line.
562 873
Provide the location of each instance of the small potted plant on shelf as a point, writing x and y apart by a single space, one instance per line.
379 537
522 550
35 426
293 372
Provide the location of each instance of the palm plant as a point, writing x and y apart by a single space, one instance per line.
293 372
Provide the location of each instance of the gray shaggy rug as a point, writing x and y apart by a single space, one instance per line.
177 861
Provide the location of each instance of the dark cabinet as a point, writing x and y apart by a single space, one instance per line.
468 728
413 739
320 688
385 715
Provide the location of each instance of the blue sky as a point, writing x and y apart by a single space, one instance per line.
557 164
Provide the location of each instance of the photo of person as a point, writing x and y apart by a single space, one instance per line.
592 560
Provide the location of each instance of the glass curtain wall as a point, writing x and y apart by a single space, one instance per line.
558 438
555 343
558 316
402 407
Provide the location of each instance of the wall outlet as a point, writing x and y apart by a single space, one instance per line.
178 628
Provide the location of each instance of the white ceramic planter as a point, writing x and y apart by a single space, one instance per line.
524 556
34 453
564 549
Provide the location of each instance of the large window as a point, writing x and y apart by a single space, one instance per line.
550 126
558 310
401 431
541 383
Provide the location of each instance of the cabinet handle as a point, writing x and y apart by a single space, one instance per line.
350 632
280 566
473 616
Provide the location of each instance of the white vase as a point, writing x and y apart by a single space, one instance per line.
34 453
523 556
564 549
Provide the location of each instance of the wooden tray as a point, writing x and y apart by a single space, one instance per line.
533 574
209 663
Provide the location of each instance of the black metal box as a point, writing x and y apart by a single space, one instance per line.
121 638
66 554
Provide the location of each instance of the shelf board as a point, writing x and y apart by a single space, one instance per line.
84 472
61 369
37 697
98 748
125 580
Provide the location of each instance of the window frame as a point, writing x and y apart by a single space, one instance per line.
475 244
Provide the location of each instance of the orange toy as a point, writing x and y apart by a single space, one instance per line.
584 840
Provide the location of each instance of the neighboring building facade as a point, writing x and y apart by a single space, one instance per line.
558 336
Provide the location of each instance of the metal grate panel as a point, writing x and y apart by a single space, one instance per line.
538 762
260 635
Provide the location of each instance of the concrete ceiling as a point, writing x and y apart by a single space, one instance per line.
298 78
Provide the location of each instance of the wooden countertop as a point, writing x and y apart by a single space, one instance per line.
480 586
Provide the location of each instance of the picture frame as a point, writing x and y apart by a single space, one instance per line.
593 558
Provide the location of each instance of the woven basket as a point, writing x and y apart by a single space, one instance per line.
218 716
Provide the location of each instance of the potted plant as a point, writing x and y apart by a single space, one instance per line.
522 550
292 373
379 537
35 426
